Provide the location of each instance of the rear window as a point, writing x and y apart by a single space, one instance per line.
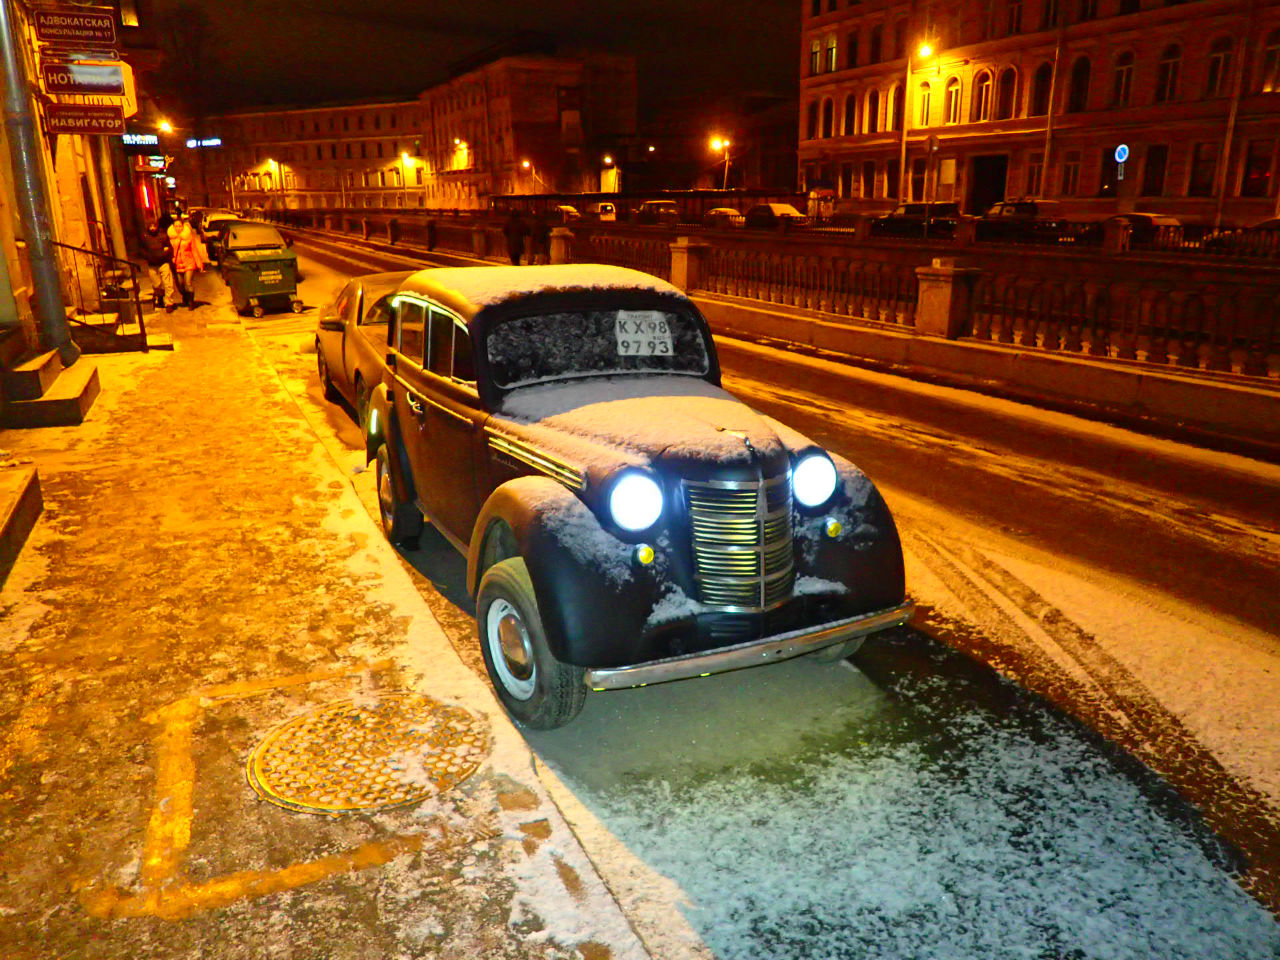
253 236
590 343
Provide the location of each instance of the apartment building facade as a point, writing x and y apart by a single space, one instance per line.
1104 106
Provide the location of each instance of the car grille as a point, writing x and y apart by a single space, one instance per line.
742 541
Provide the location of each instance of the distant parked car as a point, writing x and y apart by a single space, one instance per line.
658 211
564 213
604 212
351 339
209 227
1260 240
1144 228
723 217
770 216
918 220
1020 221
215 238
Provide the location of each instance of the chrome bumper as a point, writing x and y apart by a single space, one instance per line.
753 653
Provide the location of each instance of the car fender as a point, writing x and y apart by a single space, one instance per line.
592 594
384 428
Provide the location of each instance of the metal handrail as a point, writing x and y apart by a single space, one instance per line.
101 262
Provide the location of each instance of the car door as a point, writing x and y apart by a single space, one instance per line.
366 344
408 391
454 419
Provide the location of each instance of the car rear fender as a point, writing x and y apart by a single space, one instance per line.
590 591
384 428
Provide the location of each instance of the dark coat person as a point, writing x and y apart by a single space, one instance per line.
515 230
540 248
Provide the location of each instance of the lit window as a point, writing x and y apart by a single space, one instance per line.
924 105
815 57
873 111
953 101
831 53
980 109
1271 63
1256 181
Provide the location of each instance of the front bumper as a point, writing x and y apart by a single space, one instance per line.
750 654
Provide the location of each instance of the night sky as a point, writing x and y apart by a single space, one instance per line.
264 52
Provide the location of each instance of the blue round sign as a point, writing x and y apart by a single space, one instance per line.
1122 153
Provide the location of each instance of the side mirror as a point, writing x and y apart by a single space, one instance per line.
331 323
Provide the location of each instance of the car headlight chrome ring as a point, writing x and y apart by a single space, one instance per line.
635 502
814 479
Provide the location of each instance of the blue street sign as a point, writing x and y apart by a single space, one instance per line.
1122 153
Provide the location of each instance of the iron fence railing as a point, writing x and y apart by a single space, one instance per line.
104 287
650 256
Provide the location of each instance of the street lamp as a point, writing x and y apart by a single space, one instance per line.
166 126
924 52
718 144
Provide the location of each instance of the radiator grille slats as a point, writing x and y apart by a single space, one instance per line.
742 542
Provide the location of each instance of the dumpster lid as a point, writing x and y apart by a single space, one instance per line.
250 236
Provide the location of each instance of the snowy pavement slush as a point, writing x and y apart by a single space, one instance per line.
183 601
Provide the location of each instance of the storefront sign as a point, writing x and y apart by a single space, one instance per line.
140 139
206 142
89 79
77 118
94 26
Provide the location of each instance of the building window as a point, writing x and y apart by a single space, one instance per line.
1088 9
1122 80
980 108
1049 14
1013 17
892 178
900 39
417 175
924 105
1256 181
868 178
919 166
952 104
815 8
364 151
877 39
811 125
1130 6
1153 170
1167 74
1071 173
1271 63
846 180
333 151
1040 85
831 53
1204 167
1219 68
1035 174
831 6
815 57
360 122
851 114
1006 95
377 121
348 151
851 49
1078 95
828 118
873 111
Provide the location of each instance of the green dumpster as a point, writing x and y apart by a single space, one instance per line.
260 269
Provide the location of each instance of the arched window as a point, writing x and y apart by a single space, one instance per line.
1078 95
1007 94
1218 81
1271 63
980 108
952 106
873 111
1040 84
1049 13
850 114
1122 80
828 118
924 105
811 126
895 107
1167 74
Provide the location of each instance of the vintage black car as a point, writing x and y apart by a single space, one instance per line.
918 220
351 338
625 520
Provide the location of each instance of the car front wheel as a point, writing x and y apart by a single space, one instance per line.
401 521
537 689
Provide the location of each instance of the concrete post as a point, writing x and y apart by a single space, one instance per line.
689 262
561 244
479 241
1115 236
945 305
966 232
862 228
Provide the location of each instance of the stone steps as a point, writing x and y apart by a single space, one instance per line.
20 506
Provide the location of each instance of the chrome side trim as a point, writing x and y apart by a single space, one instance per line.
543 462
749 654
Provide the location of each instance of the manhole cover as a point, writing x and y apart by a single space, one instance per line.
397 749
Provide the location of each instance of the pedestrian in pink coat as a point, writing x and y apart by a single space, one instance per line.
188 257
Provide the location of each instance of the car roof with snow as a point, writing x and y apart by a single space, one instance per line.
469 290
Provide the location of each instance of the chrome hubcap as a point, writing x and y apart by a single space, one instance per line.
510 649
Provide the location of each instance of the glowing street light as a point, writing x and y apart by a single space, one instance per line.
925 51
526 164
652 148
608 160
166 126
718 144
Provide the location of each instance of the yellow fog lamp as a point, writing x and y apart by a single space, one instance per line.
644 554
833 527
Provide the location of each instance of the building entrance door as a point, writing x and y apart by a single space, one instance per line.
987 177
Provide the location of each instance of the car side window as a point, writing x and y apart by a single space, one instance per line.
440 359
464 364
379 313
413 321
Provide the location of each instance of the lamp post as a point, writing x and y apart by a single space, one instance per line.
924 52
533 172
718 144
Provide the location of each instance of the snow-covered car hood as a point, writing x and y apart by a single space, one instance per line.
607 422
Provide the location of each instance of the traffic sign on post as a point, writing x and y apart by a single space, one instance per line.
1122 153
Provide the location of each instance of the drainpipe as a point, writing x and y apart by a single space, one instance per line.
1053 96
33 203
107 181
1228 135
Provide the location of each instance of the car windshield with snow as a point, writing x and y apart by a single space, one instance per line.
626 521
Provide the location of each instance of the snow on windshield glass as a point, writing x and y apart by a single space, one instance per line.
555 346
254 235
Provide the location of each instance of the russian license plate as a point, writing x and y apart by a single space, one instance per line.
270 276
643 333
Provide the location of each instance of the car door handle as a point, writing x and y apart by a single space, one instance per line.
418 409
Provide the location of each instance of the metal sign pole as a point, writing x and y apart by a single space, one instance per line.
33 203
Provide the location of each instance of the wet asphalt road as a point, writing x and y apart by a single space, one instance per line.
913 802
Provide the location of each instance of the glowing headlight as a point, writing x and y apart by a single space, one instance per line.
635 502
814 480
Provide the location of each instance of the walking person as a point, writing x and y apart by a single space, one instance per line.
515 230
540 247
189 257
157 253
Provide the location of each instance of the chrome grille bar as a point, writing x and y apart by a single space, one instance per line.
741 533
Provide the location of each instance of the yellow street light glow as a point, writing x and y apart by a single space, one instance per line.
404 156
925 50
525 164
456 141
652 148
166 126
608 159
